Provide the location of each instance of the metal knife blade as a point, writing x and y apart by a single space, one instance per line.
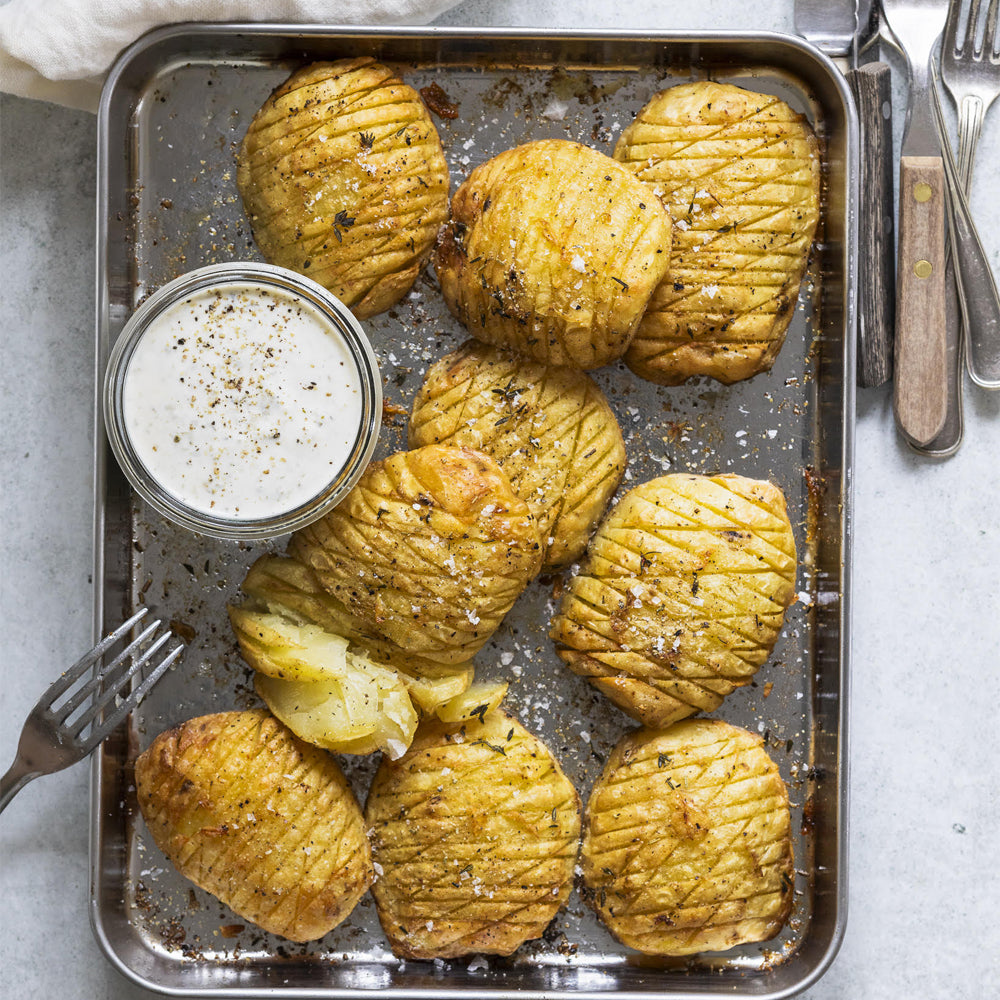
843 29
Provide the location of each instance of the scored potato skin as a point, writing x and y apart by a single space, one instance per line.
686 843
739 173
343 179
553 250
550 428
681 596
430 549
260 819
475 832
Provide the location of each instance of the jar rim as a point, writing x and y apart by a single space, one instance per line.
342 321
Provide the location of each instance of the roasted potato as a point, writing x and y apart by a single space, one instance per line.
258 818
324 692
343 178
283 585
475 832
553 250
686 844
681 596
739 173
550 429
429 550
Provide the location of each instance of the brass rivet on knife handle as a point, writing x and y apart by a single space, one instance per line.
872 87
921 362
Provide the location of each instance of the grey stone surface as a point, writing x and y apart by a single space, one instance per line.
925 751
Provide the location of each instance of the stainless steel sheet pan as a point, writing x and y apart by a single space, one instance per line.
173 113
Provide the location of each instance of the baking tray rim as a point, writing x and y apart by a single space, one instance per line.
479 34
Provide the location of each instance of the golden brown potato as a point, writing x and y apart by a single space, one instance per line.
429 550
283 585
550 428
343 179
258 818
682 594
686 842
475 833
739 173
553 250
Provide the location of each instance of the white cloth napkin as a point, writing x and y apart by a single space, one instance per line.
61 50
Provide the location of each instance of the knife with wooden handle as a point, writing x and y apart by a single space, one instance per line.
841 29
871 85
921 396
921 377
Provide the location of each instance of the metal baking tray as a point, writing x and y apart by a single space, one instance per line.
173 112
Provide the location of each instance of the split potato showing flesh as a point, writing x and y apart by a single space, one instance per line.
739 173
550 429
429 550
283 585
325 693
682 594
343 179
553 250
686 844
476 832
258 818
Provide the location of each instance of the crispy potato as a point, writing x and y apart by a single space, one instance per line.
682 594
686 844
258 818
739 173
475 832
430 693
553 250
430 549
343 178
550 429
475 703
284 585
325 693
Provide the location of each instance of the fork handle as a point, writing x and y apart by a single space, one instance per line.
872 87
980 303
17 776
921 389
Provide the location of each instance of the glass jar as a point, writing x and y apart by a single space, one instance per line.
242 400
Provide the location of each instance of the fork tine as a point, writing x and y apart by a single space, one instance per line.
110 673
101 732
949 40
114 690
990 34
75 672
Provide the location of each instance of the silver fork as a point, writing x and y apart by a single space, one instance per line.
57 734
971 72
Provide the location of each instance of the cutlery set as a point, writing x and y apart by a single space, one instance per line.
941 313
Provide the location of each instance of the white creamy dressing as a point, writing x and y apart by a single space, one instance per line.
242 401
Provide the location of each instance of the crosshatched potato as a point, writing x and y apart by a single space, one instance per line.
550 428
343 178
553 250
686 845
282 585
739 173
475 832
430 549
682 594
258 818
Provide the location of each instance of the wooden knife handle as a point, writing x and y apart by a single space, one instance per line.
921 395
872 87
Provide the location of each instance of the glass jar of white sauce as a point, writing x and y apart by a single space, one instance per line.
242 400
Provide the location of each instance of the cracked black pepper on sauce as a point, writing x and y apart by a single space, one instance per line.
242 401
